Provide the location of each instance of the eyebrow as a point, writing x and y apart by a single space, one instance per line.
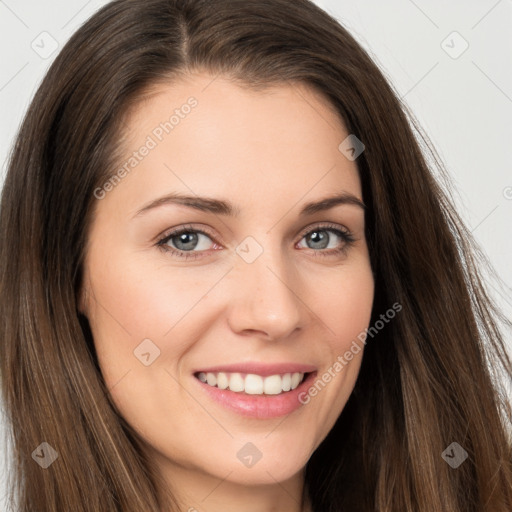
222 207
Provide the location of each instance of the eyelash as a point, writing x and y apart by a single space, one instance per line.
344 234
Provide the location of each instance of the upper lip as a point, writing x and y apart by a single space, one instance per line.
263 369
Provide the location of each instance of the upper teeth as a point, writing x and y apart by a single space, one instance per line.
251 383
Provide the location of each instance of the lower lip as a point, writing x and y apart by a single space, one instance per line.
259 406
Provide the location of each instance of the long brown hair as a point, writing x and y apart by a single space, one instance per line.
428 378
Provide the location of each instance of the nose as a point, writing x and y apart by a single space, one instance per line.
265 298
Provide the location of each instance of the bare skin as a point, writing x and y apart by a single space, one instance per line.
268 153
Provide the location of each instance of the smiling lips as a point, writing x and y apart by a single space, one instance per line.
255 389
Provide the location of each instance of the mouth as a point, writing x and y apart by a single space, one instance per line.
251 383
257 390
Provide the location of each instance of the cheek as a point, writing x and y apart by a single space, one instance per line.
136 300
346 308
346 304
142 320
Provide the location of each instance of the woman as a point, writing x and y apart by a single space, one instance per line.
230 281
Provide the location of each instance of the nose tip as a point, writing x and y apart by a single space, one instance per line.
265 303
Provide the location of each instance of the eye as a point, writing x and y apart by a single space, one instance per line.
184 240
336 239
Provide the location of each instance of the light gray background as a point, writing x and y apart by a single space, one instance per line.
463 103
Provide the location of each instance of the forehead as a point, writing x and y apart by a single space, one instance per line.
211 136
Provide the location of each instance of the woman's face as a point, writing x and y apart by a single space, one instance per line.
240 285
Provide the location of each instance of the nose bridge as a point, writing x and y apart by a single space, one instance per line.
266 298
